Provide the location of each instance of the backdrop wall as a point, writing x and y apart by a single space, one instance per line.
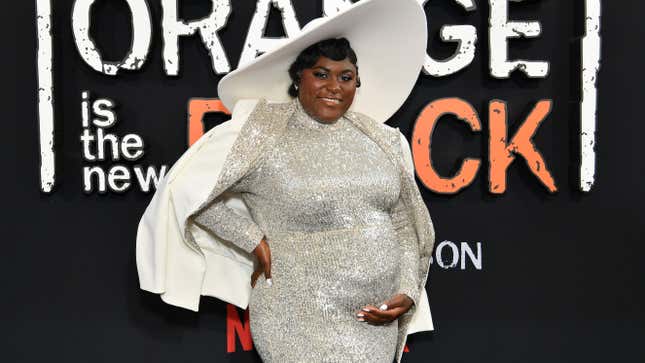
538 271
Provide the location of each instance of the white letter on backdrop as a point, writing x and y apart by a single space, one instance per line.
332 7
141 34
256 43
464 35
454 253
590 68
173 28
45 96
500 30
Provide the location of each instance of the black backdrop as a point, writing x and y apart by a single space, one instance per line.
561 277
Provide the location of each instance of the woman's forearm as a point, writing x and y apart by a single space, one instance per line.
223 221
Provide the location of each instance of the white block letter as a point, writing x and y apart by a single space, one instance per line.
103 107
87 179
132 147
454 252
256 43
465 36
119 179
475 259
141 34
590 68
45 96
500 30
151 177
173 28
332 7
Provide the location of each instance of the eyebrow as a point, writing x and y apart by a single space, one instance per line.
329 70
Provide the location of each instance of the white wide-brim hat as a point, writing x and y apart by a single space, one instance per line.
388 36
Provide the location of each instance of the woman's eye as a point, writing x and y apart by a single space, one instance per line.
347 78
320 75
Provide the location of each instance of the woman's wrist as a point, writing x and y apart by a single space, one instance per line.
263 239
410 296
409 299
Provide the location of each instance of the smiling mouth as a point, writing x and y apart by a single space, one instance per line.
331 100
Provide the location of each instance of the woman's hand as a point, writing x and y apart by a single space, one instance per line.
392 309
263 254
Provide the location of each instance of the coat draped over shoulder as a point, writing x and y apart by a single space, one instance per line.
180 261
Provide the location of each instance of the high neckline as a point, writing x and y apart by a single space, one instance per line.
302 118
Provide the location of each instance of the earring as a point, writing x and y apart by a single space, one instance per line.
295 86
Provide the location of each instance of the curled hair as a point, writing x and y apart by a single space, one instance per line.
335 49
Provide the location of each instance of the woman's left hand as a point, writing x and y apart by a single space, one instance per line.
394 307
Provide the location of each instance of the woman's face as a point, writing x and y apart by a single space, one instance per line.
327 89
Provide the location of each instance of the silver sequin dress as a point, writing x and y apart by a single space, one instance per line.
323 198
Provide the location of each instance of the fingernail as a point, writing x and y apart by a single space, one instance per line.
361 319
360 314
269 282
366 309
383 307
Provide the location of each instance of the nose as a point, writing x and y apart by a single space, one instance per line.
333 85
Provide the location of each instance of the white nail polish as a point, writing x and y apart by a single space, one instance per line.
383 307
361 319
269 282
360 315
366 309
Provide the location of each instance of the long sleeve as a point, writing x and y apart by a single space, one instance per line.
409 283
222 220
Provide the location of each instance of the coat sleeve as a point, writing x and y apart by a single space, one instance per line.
409 282
223 221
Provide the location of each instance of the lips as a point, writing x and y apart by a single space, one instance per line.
331 100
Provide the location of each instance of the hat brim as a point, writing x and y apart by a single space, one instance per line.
389 38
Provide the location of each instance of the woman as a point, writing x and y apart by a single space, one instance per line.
322 197
335 218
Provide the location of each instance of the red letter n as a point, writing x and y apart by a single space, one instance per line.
236 327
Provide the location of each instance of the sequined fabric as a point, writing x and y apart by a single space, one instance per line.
328 200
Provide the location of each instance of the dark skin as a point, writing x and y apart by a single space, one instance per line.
326 91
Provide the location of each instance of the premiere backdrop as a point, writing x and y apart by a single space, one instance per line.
539 240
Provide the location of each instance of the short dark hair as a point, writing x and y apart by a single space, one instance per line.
334 48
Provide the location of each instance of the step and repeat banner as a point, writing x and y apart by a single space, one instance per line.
524 125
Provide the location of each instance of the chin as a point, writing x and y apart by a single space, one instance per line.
331 115
326 117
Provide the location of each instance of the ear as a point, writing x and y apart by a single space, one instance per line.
358 82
